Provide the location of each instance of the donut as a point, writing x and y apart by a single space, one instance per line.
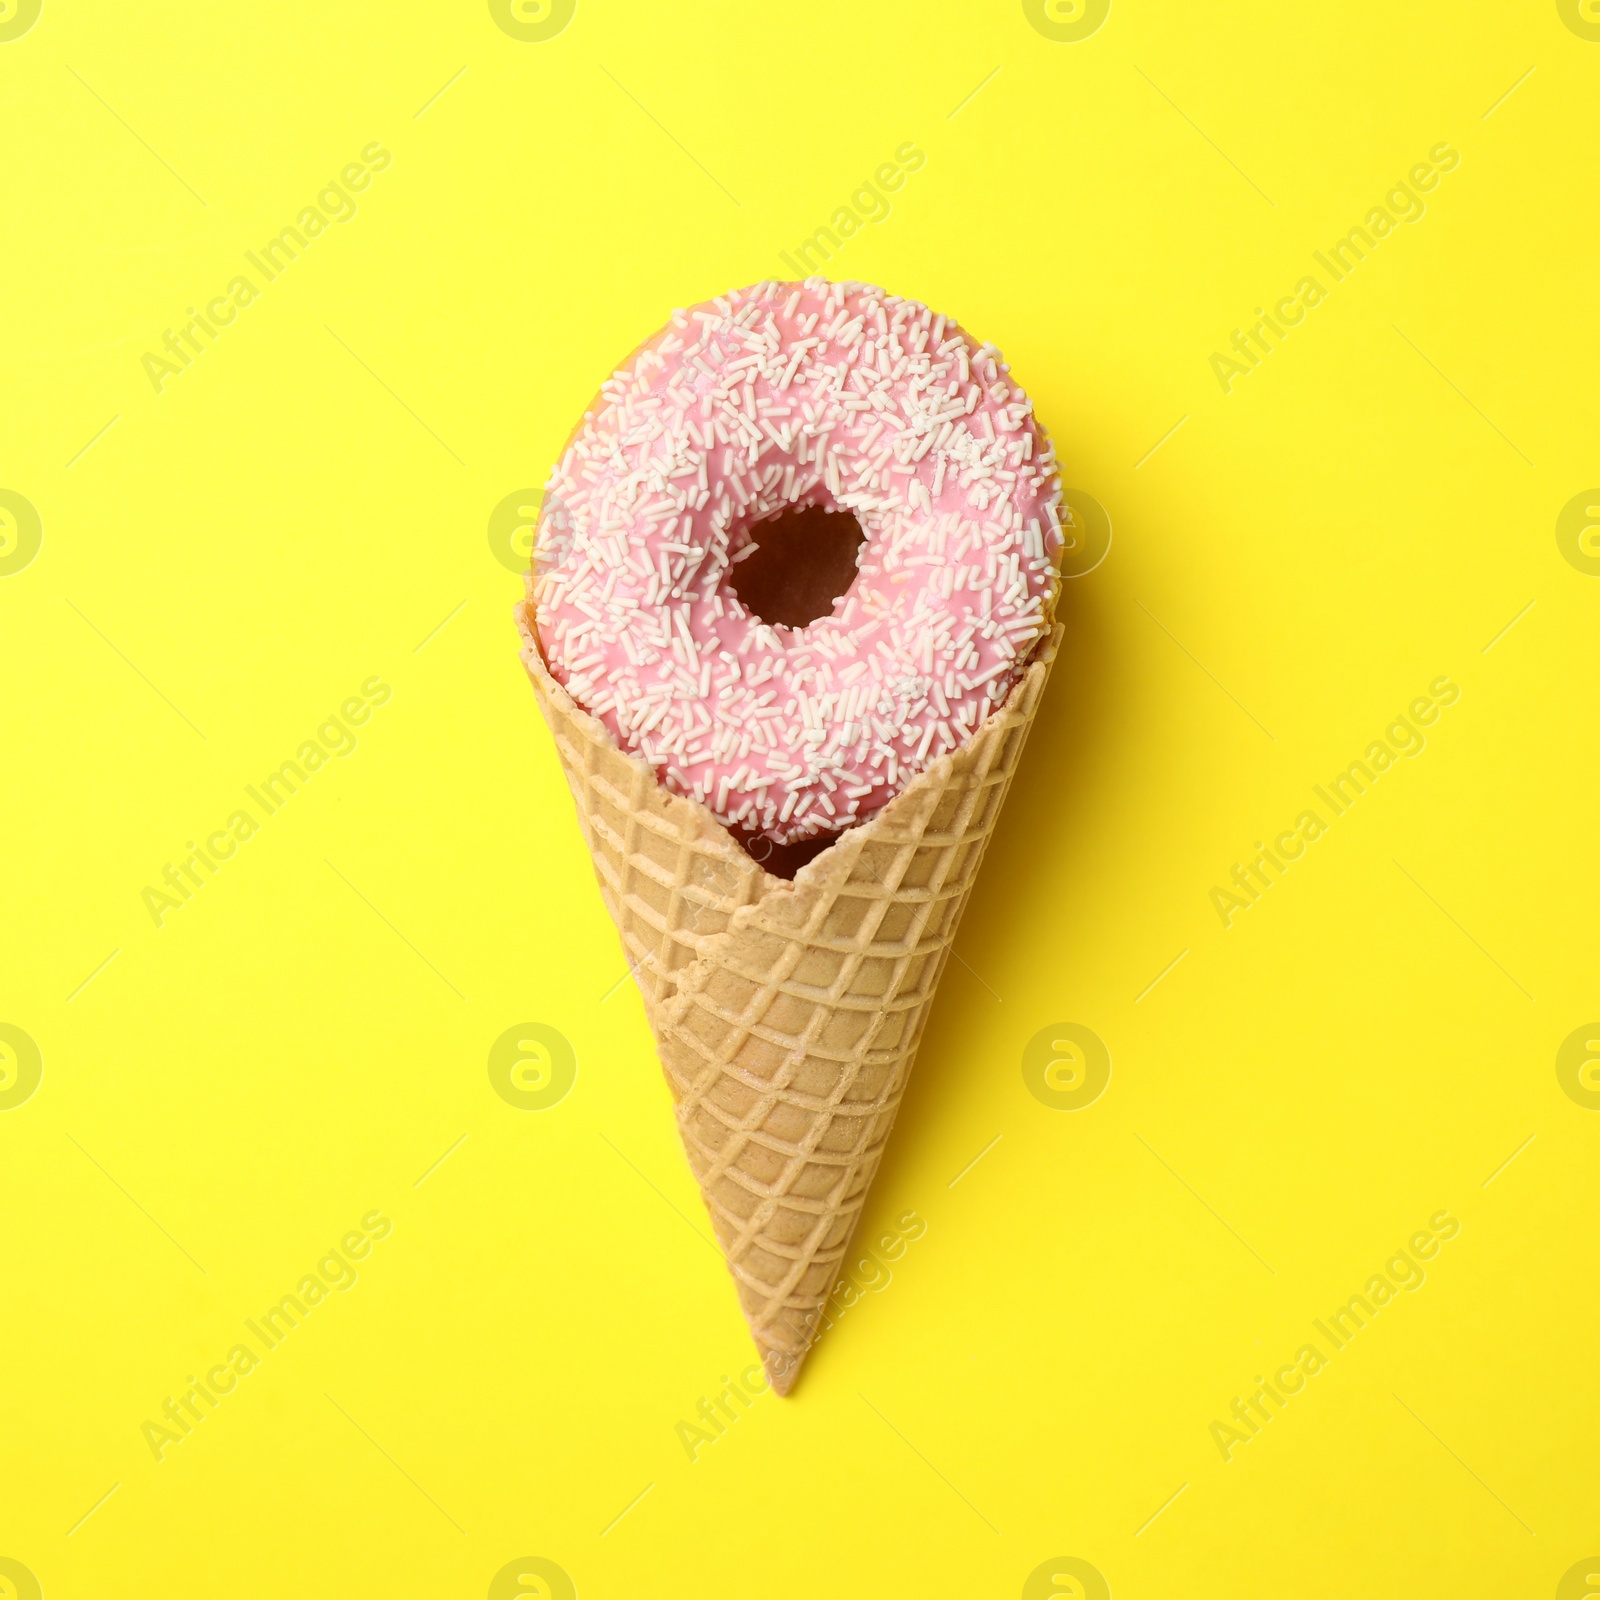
768 400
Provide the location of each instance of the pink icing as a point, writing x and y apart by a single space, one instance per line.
781 395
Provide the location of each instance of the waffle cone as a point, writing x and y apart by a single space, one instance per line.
786 1015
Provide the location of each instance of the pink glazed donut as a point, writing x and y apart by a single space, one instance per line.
780 396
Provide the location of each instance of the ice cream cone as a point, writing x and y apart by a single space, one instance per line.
786 1014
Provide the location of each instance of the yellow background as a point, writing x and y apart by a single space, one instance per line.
302 1041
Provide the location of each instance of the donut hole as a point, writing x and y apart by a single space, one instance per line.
800 564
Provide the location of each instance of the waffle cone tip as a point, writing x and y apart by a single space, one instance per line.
782 1370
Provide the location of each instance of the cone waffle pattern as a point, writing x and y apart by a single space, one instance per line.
786 1015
